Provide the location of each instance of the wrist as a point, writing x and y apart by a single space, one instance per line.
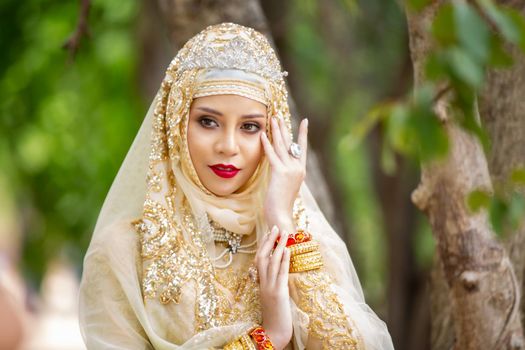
283 221
278 341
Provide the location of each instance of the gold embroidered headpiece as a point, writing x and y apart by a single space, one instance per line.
229 46
229 81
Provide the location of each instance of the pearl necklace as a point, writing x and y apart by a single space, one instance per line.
233 240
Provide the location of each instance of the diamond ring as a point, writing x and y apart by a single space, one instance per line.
295 150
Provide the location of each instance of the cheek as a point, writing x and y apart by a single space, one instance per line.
255 153
195 143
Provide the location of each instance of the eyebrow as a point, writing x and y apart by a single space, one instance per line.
245 116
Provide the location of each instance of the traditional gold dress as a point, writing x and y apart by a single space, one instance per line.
171 265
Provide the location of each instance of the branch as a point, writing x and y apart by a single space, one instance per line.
73 43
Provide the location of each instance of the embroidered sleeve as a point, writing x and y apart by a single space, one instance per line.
314 294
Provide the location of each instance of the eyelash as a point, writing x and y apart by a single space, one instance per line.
207 123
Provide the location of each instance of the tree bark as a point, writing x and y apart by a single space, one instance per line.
185 18
502 112
483 292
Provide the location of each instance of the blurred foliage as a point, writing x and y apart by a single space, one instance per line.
506 204
65 126
347 58
470 38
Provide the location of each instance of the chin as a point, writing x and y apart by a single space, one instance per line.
222 191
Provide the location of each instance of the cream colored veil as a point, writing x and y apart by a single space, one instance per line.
153 234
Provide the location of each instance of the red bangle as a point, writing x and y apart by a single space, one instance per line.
300 236
261 339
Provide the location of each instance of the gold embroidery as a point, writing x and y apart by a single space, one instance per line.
170 262
154 180
239 296
328 321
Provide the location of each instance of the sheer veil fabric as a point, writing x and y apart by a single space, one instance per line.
150 278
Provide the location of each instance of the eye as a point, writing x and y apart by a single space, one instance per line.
207 122
251 127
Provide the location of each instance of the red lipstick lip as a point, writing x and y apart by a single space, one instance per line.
224 170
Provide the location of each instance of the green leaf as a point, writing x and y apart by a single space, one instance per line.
477 200
444 26
472 32
516 210
498 56
388 158
502 18
431 138
519 23
397 131
417 5
436 66
363 127
465 68
498 213
518 176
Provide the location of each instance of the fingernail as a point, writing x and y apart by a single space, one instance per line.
275 229
306 121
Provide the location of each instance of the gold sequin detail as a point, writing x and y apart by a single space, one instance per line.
239 296
154 181
170 262
328 321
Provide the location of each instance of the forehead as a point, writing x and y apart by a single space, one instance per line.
229 104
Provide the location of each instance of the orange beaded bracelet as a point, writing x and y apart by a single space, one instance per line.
262 340
300 236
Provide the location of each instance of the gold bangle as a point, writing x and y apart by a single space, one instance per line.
306 262
247 343
302 248
306 256
234 345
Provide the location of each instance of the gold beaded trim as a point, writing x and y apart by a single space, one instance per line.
234 345
247 343
301 248
231 87
306 262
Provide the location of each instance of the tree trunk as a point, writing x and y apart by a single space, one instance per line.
502 112
185 18
482 289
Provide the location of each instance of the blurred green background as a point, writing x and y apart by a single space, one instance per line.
66 122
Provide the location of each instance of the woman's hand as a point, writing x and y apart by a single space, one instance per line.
274 293
287 174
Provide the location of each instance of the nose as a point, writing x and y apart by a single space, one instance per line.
227 143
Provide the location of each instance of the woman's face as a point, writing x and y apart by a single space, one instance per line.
224 140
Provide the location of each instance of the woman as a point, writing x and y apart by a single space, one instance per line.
211 183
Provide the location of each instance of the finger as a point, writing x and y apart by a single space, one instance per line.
302 139
263 252
285 268
278 142
285 133
269 151
262 259
275 260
